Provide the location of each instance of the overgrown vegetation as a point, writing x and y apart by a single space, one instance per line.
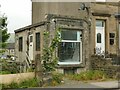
5 72
56 79
24 84
9 67
89 75
49 58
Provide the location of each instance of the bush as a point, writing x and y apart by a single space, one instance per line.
89 75
5 72
11 67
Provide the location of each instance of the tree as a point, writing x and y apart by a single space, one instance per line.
3 31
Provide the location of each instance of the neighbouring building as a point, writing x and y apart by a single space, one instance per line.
10 49
90 30
10 46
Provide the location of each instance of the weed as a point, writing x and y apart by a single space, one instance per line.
89 75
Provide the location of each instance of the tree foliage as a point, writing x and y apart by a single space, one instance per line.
3 31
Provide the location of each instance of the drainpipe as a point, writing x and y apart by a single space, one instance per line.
86 8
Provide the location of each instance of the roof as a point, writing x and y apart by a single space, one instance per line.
49 16
10 46
30 26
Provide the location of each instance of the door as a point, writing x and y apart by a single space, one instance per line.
31 46
100 37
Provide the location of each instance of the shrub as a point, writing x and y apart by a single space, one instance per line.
11 67
5 72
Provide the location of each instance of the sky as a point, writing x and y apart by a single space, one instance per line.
18 13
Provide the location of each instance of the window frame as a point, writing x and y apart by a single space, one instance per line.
80 48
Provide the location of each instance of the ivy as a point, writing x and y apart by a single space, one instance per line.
49 59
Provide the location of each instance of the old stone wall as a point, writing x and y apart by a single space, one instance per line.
105 65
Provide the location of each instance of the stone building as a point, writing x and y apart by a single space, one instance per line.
86 29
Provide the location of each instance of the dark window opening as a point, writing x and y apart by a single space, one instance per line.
98 38
37 41
111 41
112 36
20 44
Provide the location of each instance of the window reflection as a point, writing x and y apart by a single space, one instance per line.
68 35
69 51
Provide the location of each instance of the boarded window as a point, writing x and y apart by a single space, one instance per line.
20 43
38 41
99 38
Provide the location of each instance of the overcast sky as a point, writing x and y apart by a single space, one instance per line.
18 13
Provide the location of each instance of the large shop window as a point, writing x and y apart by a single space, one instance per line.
69 49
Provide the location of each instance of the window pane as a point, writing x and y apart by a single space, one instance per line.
98 38
112 35
37 41
68 35
111 41
69 51
99 23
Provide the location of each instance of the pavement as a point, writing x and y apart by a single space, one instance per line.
79 84
107 84
91 85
